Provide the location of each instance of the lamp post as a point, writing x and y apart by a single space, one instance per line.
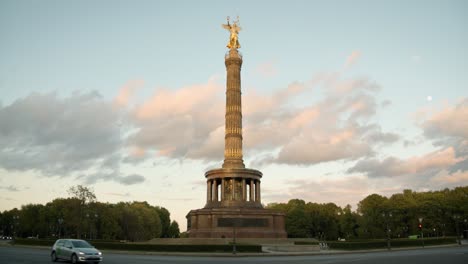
91 218
465 230
422 234
386 217
60 221
457 218
15 224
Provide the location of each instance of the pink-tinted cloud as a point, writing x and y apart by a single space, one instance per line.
189 122
451 121
456 178
342 191
352 58
330 125
127 92
392 166
178 123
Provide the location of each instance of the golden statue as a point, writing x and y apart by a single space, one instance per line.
234 29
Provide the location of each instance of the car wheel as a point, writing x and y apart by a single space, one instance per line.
74 259
53 257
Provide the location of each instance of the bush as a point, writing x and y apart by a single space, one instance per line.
34 242
149 247
177 248
306 243
376 244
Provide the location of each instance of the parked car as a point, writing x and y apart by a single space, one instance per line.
75 250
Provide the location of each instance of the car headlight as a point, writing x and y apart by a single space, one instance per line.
99 253
81 253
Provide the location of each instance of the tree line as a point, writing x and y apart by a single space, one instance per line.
81 216
430 214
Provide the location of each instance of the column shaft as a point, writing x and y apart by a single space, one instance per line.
252 188
223 196
258 199
215 190
208 191
244 190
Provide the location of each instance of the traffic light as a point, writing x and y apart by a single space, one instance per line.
420 226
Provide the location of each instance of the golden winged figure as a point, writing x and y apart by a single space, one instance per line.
234 30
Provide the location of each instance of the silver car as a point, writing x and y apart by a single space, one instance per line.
75 250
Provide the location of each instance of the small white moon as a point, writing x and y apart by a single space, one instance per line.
429 98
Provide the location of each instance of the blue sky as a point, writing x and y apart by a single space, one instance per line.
341 98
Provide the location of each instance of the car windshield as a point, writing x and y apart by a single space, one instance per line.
81 244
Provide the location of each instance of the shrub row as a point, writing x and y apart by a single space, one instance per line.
394 243
306 243
150 247
34 242
178 248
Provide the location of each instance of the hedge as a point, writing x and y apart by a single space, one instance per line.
150 247
376 244
306 243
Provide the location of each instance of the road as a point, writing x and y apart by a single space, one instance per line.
453 255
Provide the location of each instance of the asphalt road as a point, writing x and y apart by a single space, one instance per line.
452 255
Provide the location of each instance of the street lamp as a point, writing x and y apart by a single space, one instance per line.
465 231
60 221
457 218
421 229
91 218
386 217
15 223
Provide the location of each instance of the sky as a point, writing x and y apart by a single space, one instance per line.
341 99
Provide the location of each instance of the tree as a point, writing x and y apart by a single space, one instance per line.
174 231
165 218
371 208
85 196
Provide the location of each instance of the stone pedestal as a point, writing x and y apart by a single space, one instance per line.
239 223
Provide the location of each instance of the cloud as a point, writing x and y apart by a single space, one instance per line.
10 188
185 123
112 176
131 179
457 178
75 136
448 122
338 125
345 190
189 123
127 92
127 194
392 166
444 167
352 58
88 137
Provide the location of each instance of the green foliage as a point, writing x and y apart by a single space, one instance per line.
81 216
177 248
174 231
34 242
443 214
382 243
165 218
150 247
